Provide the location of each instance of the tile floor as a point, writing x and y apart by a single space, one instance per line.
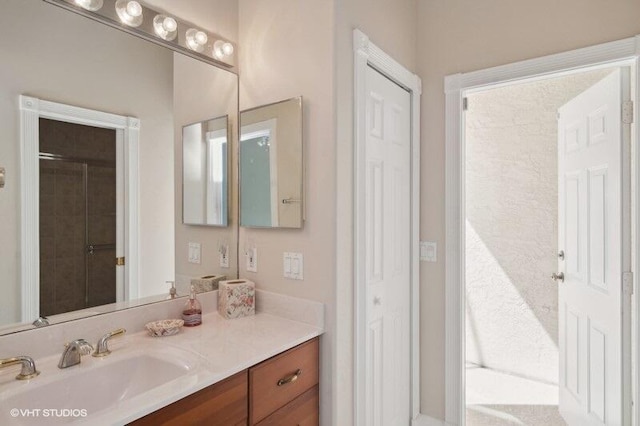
496 399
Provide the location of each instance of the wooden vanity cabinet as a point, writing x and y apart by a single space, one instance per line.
224 403
281 391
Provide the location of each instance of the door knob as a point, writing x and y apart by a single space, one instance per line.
377 300
558 276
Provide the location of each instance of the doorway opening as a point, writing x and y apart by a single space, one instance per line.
78 211
516 227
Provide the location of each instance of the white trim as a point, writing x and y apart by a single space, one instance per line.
455 86
368 54
127 140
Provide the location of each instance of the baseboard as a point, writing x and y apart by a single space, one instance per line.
423 420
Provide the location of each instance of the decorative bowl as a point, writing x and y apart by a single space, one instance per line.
163 328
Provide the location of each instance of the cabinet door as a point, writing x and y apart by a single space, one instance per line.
302 411
222 404
278 381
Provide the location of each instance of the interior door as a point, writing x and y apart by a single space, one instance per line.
387 242
590 153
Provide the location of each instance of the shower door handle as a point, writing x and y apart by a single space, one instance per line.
92 248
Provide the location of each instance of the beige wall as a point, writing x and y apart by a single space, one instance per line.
46 63
287 51
214 94
393 27
466 35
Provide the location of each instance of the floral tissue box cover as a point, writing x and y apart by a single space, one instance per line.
236 298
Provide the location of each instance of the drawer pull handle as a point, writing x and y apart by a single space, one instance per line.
290 379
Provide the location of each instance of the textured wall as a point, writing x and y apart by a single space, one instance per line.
512 210
466 35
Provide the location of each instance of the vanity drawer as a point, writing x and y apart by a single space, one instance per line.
274 383
302 411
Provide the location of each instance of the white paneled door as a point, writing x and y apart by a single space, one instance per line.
388 251
591 133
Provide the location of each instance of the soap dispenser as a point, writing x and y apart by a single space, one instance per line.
172 291
192 312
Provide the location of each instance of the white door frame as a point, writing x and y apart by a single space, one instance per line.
127 141
368 54
625 51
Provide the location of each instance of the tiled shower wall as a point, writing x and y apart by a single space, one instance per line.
67 213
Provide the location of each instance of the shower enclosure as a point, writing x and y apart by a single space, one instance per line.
77 216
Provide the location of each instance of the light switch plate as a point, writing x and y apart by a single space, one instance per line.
194 253
293 265
252 259
428 251
224 256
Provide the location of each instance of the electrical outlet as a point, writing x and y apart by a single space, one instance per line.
252 259
428 251
194 253
224 256
293 265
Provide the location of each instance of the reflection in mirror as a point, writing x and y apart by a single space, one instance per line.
204 172
271 168
78 176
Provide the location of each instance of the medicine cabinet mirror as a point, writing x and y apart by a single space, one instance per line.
271 166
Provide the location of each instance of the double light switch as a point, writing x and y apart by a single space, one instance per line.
293 266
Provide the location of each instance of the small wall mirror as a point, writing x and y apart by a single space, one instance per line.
271 166
205 171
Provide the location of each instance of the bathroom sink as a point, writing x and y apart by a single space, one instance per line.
94 386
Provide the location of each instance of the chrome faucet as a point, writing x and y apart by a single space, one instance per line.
102 348
28 366
73 351
41 322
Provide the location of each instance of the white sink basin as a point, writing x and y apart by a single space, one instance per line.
97 384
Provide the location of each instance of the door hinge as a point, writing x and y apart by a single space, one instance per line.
627 112
120 261
465 103
627 283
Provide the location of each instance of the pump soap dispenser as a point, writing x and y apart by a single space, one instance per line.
192 312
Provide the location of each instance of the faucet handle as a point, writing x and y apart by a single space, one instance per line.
28 370
102 348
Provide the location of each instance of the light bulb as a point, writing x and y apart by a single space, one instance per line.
134 9
165 27
201 37
196 40
92 5
129 12
221 49
227 48
169 24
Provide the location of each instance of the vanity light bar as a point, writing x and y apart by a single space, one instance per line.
158 27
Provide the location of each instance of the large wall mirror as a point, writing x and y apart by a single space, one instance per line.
271 166
85 169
